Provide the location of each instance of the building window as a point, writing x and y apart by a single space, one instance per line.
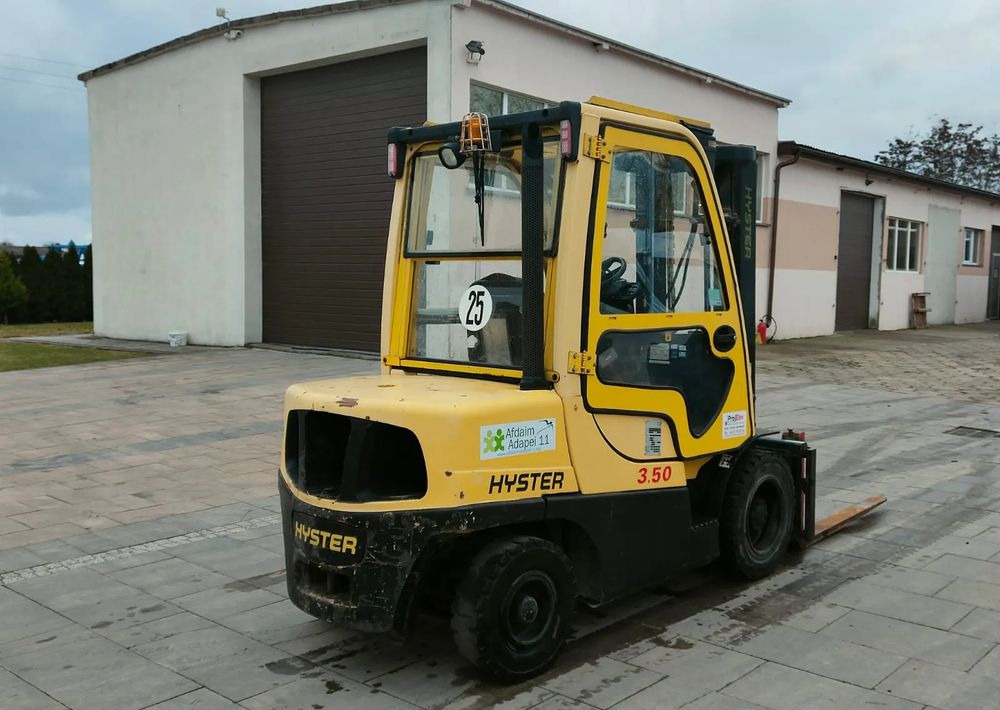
904 245
973 246
761 178
494 102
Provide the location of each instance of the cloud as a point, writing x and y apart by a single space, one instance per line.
858 72
44 152
42 228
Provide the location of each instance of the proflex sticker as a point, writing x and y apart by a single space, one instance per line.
499 440
734 424
654 437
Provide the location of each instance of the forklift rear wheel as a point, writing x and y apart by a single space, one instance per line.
757 515
512 611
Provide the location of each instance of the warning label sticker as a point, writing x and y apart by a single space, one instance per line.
499 440
734 424
654 436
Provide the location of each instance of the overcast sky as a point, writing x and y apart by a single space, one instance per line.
858 73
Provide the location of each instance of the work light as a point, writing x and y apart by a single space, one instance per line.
451 156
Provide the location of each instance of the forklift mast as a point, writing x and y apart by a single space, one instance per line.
735 168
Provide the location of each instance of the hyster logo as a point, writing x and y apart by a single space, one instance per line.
326 540
523 482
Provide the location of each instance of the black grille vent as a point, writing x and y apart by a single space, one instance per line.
354 460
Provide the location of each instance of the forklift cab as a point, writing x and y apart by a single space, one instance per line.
660 319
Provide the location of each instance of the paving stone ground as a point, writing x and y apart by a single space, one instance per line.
140 552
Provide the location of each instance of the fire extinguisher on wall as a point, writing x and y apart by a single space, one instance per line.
761 332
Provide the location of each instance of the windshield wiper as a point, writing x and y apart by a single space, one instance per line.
479 181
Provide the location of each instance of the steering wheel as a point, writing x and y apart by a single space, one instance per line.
612 268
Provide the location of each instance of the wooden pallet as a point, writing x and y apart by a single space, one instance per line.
918 302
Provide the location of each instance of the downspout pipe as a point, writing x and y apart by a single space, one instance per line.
769 314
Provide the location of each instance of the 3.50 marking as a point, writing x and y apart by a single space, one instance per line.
654 474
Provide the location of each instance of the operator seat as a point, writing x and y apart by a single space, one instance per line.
499 342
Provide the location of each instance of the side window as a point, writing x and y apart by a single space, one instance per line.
670 358
658 252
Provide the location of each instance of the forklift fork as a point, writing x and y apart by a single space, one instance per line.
807 530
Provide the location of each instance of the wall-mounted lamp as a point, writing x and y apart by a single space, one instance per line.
231 35
476 51
868 181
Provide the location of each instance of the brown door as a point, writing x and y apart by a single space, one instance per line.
854 261
993 284
325 195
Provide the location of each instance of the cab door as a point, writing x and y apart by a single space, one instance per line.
663 317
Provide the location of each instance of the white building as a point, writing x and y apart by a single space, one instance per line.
238 173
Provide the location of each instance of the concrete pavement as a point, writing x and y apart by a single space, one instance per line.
140 553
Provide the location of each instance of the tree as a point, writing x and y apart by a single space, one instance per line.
959 153
88 282
29 269
73 290
13 292
53 294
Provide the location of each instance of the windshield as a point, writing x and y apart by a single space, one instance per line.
442 207
466 301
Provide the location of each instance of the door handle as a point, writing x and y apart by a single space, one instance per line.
724 338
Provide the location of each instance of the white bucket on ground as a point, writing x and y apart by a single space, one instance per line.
177 338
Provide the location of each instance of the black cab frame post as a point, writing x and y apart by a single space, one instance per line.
736 180
532 259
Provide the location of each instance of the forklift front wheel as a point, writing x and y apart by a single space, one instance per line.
512 611
757 515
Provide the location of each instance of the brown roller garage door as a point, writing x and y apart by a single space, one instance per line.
854 261
325 196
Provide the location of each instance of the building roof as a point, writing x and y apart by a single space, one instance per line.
501 5
867 166
611 44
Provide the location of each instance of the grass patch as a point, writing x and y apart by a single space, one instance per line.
27 356
27 329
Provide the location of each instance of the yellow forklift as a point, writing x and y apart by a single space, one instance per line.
565 410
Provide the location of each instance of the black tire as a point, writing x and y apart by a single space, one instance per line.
513 608
758 514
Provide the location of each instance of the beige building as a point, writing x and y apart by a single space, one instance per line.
238 173
855 241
